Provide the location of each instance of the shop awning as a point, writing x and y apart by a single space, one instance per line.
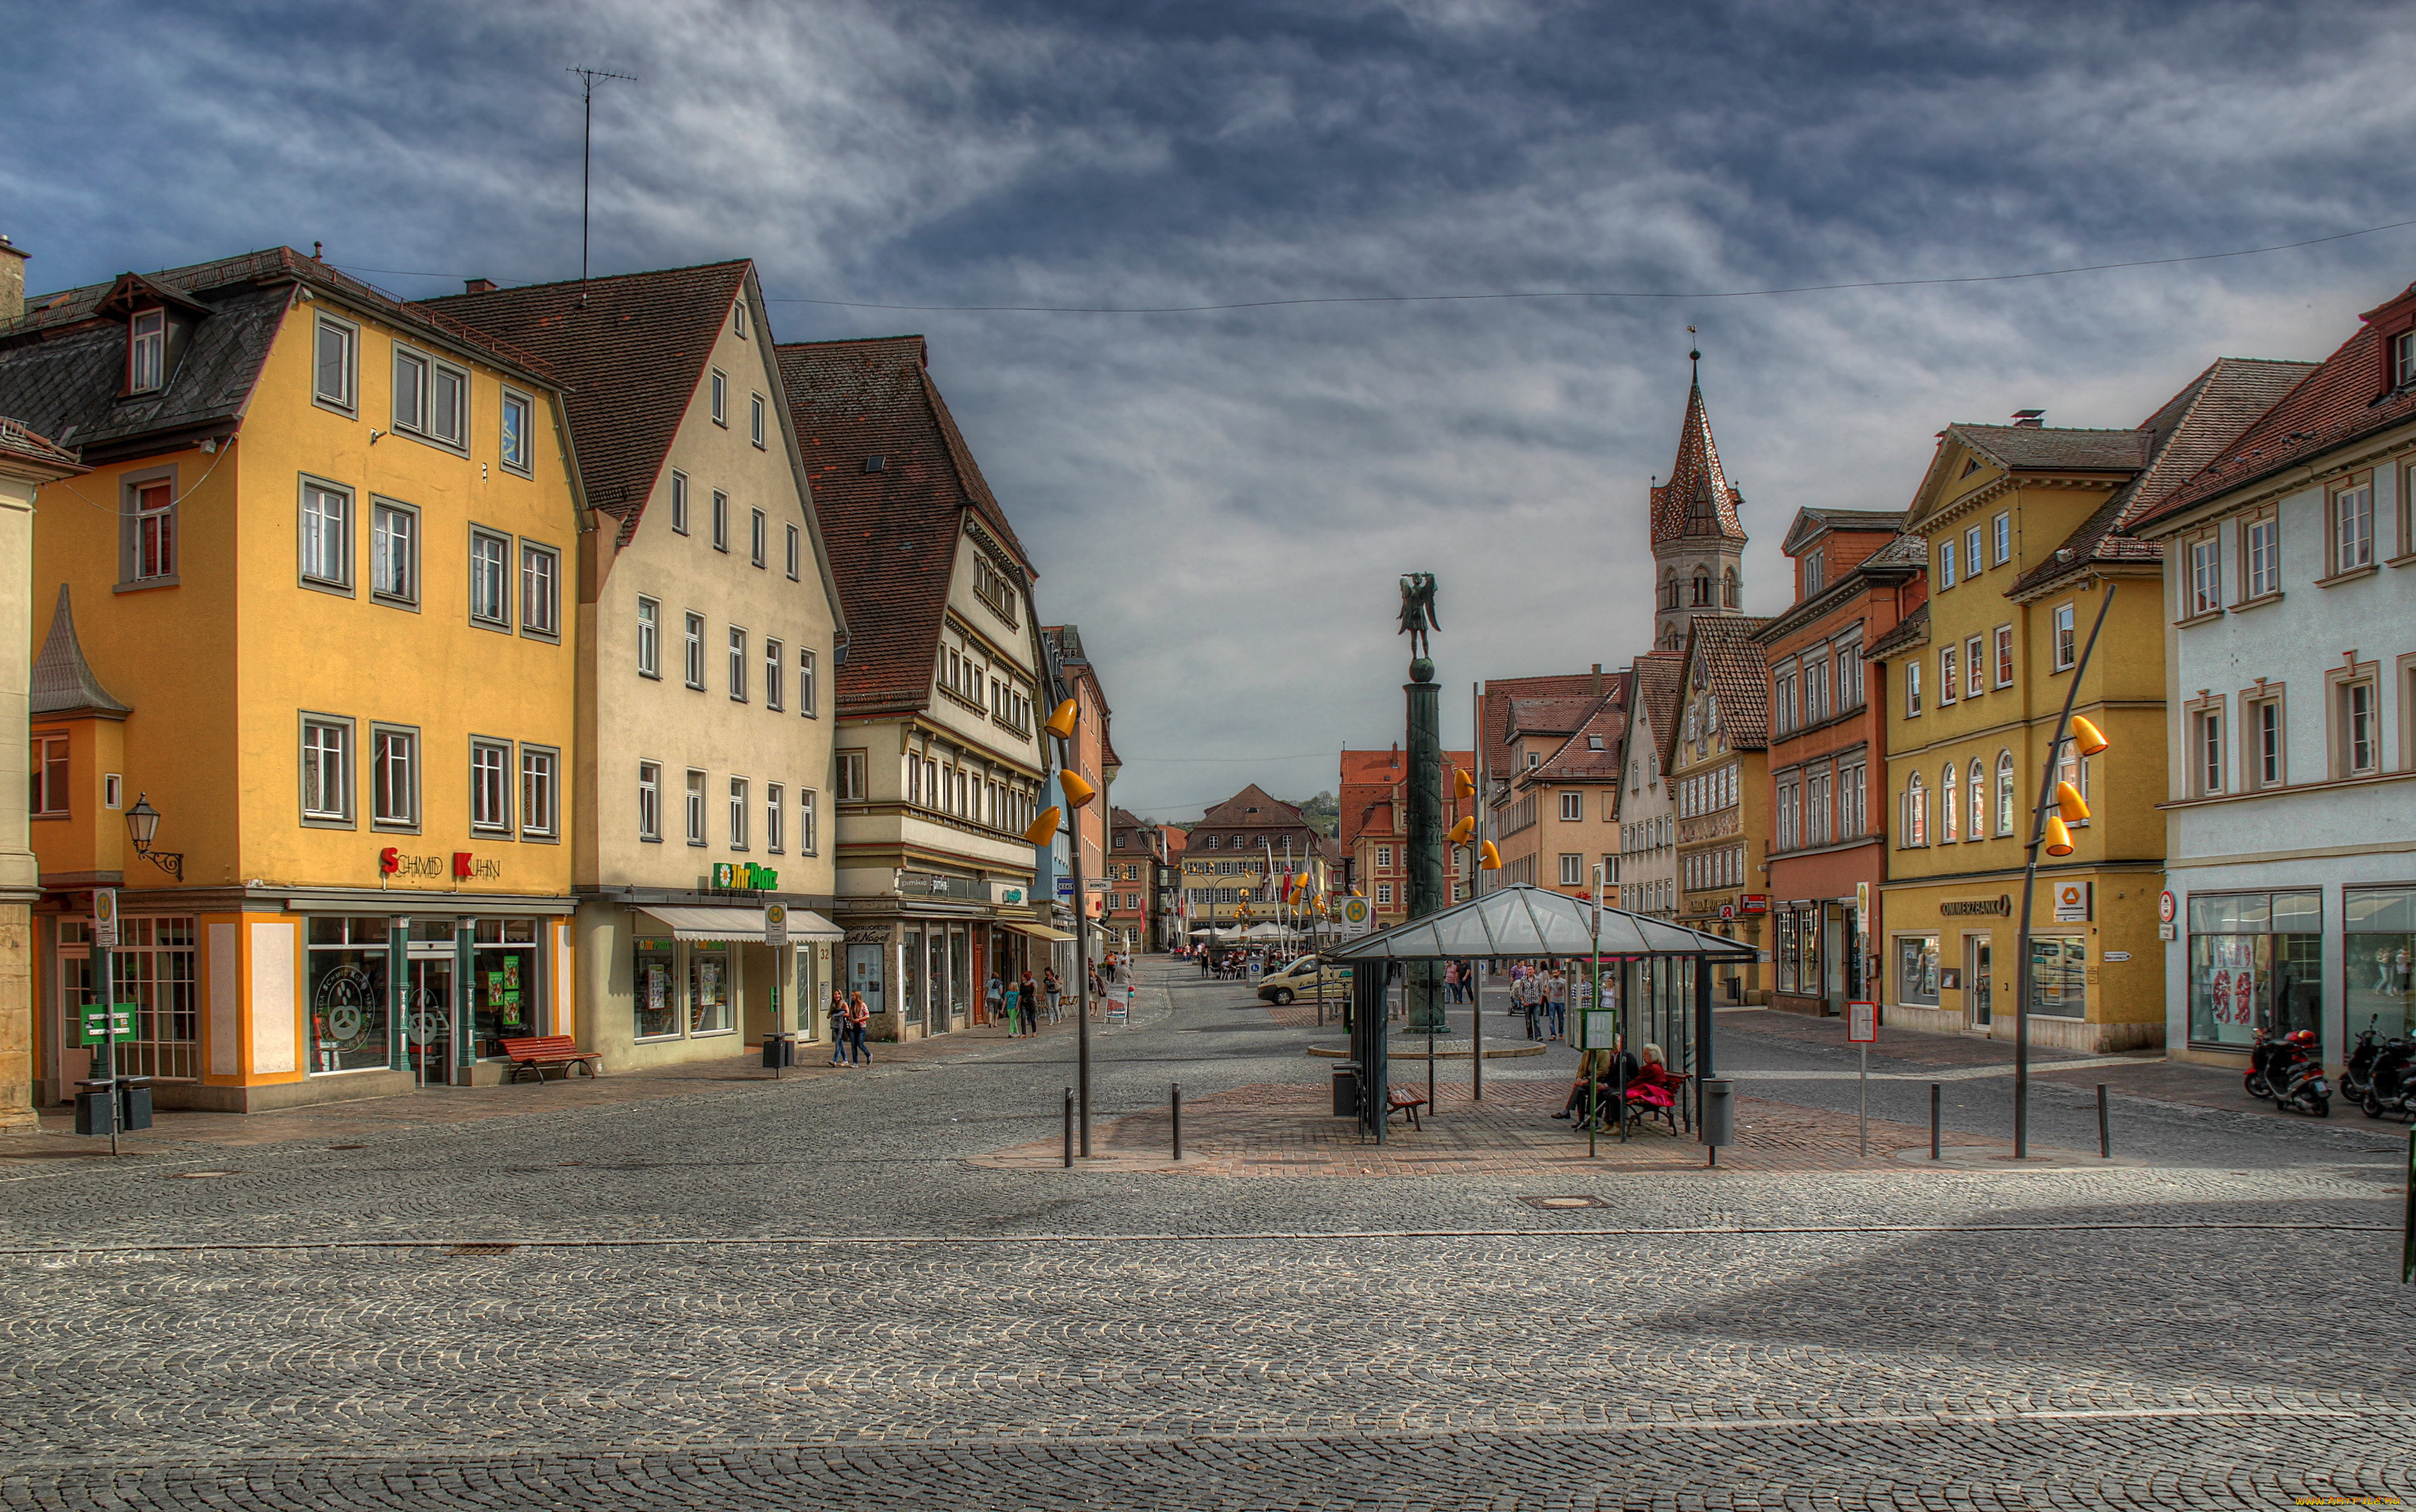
1038 931
744 925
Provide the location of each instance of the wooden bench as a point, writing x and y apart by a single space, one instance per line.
536 1051
1403 1101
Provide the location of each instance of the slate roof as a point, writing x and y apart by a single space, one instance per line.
2188 430
2030 448
63 680
1740 675
2341 400
892 534
62 365
634 358
1699 500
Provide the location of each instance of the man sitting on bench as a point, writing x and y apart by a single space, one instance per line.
1599 1068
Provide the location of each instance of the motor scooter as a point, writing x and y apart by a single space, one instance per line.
2298 1077
2391 1085
2357 1072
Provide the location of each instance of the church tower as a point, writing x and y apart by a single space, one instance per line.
1697 544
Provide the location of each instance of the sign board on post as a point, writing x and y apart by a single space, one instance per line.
100 1024
104 917
776 924
1862 1022
2166 913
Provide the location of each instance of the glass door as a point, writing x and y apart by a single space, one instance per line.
1979 982
429 1011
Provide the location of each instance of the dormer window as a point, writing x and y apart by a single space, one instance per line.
146 351
2402 359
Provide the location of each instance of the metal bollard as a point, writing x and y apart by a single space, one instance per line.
2105 1136
1175 1107
1069 1128
1933 1120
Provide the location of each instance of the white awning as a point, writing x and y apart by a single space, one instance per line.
744 925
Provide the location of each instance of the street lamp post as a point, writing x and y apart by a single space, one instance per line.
1079 794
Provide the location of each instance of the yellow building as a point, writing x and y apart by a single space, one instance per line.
2026 528
1718 770
306 694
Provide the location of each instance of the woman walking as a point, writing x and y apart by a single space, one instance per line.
1054 988
1028 1003
858 1017
838 1027
1006 1013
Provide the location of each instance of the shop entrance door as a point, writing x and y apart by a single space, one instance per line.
1979 990
430 1012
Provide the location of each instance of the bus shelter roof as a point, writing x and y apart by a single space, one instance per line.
1523 920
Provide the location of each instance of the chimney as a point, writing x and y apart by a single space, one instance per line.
13 283
2029 419
1597 679
1396 753
478 286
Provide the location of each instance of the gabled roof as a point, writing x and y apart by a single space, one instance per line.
62 365
1549 716
1697 500
1494 710
2185 433
1902 558
1578 758
1811 524
2343 399
2032 448
1910 631
63 683
1725 647
892 533
633 349
1658 677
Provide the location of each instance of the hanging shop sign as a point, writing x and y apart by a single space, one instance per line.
744 876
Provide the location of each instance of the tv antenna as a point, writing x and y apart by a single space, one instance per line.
587 160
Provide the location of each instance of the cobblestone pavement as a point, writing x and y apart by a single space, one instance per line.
814 1294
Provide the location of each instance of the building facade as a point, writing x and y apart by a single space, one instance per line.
1137 872
1092 754
1374 833
1502 754
1565 806
2289 814
1719 784
708 630
1235 858
1855 576
1648 819
355 521
938 767
2025 525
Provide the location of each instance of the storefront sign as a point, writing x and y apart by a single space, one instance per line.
1757 902
2072 901
104 917
876 935
2115 955
462 866
744 876
1965 908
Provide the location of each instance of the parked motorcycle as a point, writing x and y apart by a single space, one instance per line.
2288 1071
2265 1053
2357 1072
2391 1083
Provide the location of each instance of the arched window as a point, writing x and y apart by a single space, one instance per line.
1950 803
1669 592
1702 591
2004 792
1979 802
1916 813
1731 591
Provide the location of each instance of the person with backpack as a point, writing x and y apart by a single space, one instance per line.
858 1018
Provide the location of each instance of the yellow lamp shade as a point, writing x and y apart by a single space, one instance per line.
1463 784
2085 737
2058 839
1490 858
1043 827
1078 790
1061 723
1461 831
2069 802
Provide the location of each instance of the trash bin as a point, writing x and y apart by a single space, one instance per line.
134 1103
1719 1111
779 1049
95 1108
1345 1090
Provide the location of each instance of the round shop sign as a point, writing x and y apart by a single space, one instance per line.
2165 908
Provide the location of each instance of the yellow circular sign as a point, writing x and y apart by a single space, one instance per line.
1354 910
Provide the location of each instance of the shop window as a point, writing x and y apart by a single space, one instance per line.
1916 970
347 993
490 591
505 1002
2378 947
48 770
156 966
2255 962
2060 975
653 988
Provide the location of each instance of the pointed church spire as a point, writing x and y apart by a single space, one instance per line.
63 680
1697 500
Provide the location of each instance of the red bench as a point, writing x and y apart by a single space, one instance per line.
536 1051
1401 1099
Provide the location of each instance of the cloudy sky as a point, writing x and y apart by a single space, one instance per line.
1223 501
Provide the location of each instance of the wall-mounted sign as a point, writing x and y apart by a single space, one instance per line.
2072 902
1757 902
1960 907
460 865
744 876
2115 955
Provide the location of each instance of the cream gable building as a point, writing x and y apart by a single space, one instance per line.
709 637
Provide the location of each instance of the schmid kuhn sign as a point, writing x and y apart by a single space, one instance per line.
464 867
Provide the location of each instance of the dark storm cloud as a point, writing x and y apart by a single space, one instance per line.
1224 499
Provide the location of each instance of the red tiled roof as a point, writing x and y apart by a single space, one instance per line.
1657 680
1577 760
1368 778
2342 399
633 349
1494 710
892 534
1697 500
1725 646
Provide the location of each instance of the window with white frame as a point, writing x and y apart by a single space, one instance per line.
755 419
738 798
679 502
2261 559
2067 644
1975 668
1915 830
146 351
393 777
650 638
2000 532
150 537
737 665
1817 702
1383 894
1977 798
540 590
2357 713
2205 556
1912 687
721 520
1853 801
2071 766
650 801
394 552
1818 807
2005 655
491 592
1782 694
1790 804
809 835
759 539
431 398
2004 792
693 660
1972 565
1948 684
796 551
2402 359
2206 736
327 535
776 818
327 770
1950 805
806 689
1850 671
1571 869
1946 563
1572 806
512 431
721 398
2352 518
540 793
335 368
850 769
695 807
775 672
50 777
2262 763
491 786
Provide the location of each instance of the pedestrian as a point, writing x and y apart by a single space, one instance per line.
1556 1002
1005 1013
858 1018
1030 1000
1524 993
1206 962
992 996
838 1027
1055 989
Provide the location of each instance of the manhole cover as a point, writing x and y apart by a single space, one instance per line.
204 1175
1563 1202
482 1248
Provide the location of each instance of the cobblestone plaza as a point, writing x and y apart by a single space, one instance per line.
834 1291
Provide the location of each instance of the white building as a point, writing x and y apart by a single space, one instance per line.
2291 697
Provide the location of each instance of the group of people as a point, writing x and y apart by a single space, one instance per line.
1540 991
1223 965
1603 1075
849 1016
1019 1004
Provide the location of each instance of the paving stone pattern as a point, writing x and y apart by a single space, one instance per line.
846 1309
